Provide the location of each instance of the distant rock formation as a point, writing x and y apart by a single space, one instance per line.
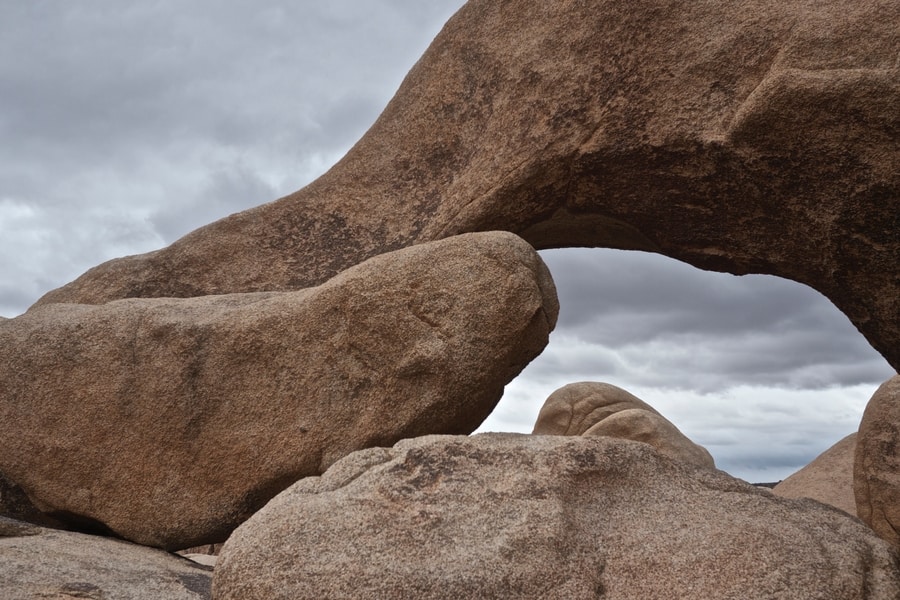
551 517
759 136
600 409
876 468
828 478
46 563
169 421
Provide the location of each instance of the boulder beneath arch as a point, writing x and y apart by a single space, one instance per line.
169 421
555 517
756 136
593 408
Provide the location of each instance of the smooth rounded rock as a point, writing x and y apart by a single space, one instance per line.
592 408
552 517
828 478
876 467
169 421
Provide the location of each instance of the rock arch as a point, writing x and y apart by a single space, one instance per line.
750 137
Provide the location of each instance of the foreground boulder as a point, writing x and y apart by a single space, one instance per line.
751 136
601 409
828 478
170 421
46 563
876 469
517 516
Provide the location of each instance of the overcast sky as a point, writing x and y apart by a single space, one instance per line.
127 124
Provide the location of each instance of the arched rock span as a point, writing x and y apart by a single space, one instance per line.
756 136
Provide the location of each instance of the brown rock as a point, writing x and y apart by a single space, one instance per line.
45 563
169 421
876 468
601 409
828 478
518 516
754 136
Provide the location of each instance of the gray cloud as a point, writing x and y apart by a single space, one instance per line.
126 125
668 322
226 191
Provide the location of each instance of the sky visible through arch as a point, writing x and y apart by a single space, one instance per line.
126 125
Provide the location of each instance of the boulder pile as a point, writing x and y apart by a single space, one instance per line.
284 352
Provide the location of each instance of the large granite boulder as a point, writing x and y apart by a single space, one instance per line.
62 565
876 468
553 517
169 421
749 136
601 409
828 478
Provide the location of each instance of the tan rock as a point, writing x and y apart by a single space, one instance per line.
47 563
552 517
169 421
576 407
600 409
828 478
752 136
876 468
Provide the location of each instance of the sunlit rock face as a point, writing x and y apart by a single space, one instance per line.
755 136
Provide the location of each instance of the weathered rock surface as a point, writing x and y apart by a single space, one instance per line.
517 516
828 478
601 409
876 469
169 421
47 563
753 136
